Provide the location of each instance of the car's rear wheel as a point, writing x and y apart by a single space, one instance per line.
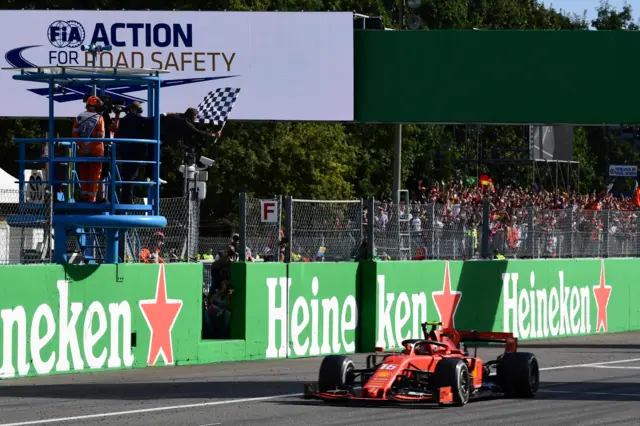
336 373
519 374
454 373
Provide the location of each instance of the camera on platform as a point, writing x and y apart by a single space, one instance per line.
109 105
206 161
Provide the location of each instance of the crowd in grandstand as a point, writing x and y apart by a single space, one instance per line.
445 221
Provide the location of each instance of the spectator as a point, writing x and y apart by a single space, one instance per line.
219 311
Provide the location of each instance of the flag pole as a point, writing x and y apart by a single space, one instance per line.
221 129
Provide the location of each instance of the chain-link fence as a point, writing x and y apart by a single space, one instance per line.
622 234
325 230
527 233
26 234
179 239
337 231
25 229
214 238
389 223
262 222
435 231
456 230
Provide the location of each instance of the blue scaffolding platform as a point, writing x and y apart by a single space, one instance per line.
88 221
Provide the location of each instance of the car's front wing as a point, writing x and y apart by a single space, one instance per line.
441 396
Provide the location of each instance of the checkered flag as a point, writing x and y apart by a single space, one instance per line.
216 106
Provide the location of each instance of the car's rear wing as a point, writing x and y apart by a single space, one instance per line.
473 336
510 341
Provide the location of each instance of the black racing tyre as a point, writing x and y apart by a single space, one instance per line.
336 372
454 372
519 374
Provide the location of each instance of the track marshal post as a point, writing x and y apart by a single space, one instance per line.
87 221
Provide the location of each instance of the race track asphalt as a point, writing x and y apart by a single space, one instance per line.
604 391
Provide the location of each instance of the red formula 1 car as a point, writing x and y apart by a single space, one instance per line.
435 369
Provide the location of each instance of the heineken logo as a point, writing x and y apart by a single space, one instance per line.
70 336
318 326
564 309
400 316
602 293
447 301
160 314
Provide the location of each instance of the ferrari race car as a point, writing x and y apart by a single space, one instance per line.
435 369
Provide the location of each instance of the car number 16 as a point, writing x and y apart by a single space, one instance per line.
388 367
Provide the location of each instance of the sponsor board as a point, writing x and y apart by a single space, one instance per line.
554 310
75 335
401 313
310 326
290 66
623 170
533 300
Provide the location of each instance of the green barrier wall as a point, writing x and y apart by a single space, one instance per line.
533 299
58 319
296 310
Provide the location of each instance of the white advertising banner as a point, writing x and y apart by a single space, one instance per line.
295 66
623 170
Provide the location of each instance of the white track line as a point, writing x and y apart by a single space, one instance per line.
238 401
617 367
593 393
150 410
591 364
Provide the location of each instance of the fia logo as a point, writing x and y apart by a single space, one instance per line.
66 34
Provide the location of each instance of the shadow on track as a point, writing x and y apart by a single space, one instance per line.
154 391
315 403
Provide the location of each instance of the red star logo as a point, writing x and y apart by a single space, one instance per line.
446 300
602 293
161 314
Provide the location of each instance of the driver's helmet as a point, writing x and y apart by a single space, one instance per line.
425 348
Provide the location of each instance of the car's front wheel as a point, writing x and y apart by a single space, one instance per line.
336 373
454 373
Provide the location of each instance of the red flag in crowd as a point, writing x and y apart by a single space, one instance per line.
486 182
595 205
636 197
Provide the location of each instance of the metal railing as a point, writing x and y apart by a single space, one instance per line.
348 230
323 230
568 233
26 234
282 228
26 231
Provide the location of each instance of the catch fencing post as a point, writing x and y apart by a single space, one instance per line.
242 213
194 224
288 226
277 238
486 206
607 218
370 226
